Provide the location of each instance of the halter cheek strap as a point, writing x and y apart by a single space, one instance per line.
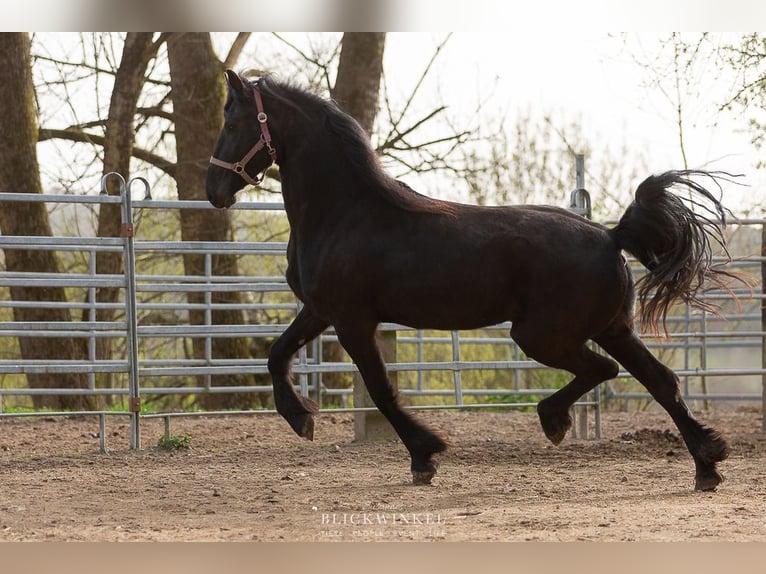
263 142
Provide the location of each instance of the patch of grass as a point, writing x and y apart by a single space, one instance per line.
118 407
174 442
15 409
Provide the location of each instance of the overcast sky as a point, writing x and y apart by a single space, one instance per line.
589 77
592 77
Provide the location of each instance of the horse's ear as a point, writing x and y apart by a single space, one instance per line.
235 83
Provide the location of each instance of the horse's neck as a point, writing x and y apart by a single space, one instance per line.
314 192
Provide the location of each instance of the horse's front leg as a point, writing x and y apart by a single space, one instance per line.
359 341
296 409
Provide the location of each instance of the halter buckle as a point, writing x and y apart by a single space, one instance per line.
262 117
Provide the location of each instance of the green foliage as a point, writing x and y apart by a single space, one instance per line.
174 442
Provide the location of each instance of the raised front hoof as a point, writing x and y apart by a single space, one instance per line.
708 481
555 424
302 424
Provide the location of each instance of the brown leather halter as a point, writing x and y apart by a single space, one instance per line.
263 141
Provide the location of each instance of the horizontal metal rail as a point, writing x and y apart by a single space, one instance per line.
163 320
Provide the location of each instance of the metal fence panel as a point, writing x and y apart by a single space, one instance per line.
155 312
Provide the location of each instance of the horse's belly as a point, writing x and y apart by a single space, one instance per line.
447 307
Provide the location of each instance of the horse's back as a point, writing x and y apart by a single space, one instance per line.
482 265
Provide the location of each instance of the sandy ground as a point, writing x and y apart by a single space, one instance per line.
250 478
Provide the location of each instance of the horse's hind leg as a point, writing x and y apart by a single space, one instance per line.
297 410
566 353
590 369
706 445
422 443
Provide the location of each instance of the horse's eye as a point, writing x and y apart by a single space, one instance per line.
229 127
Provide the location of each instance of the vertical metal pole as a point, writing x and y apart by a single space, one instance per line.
579 201
208 316
458 375
130 312
420 358
303 379
316 378
574 413
582 202
102 432
369 425
597 421
763 326
92 318
580 170
703 361
126 232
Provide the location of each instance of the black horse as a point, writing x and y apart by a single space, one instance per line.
365 249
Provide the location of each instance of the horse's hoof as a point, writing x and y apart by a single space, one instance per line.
555 424
557 437
708 482
422 477
302 424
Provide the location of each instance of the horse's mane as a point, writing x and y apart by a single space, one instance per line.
355 146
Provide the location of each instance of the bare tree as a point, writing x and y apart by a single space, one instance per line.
190 131
19 172
747 59
356 91
688 72
357 84
138 48
196 77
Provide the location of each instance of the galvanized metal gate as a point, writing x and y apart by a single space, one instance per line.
145 294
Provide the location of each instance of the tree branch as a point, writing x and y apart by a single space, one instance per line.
155 111
236 49
82 137
400 135
396 121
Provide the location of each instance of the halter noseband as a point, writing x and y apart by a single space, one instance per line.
263 141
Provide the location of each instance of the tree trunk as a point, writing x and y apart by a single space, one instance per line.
198 93
19 172
118 148
357 90
359 70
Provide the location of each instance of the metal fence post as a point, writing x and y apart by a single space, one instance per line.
456 374
131 322
372 424
763 326
580 203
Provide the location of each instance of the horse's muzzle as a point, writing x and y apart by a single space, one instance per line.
221 200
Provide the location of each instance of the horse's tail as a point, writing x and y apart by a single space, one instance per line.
674 243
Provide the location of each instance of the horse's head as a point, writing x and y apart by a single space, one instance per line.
244 149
